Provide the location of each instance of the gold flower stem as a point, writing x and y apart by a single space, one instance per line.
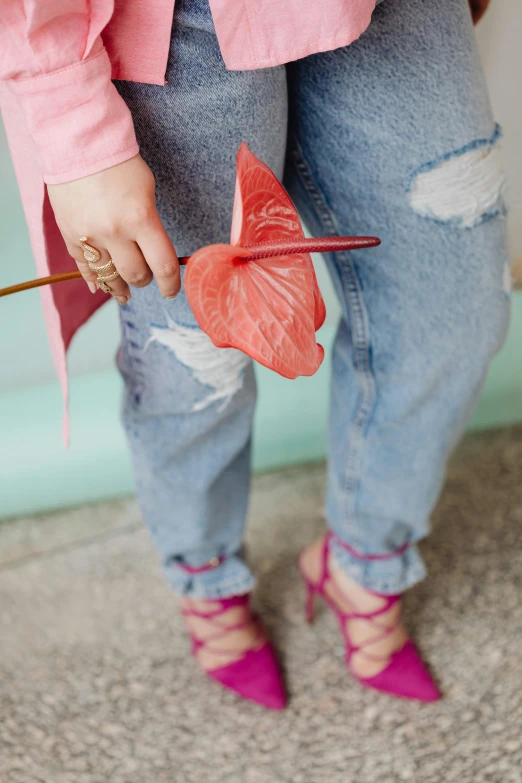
13 289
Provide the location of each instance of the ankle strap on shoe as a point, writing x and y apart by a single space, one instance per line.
391 598
362 556
214 562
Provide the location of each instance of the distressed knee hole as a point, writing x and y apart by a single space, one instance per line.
463 187
220 370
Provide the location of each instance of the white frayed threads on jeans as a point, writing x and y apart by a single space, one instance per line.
221 369
464 188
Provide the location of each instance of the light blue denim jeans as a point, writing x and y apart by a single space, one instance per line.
392 136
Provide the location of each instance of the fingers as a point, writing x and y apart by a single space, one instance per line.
116 209
152 254
161 257
77 253
130 263
119 288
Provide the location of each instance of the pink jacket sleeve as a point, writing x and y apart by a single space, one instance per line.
53 60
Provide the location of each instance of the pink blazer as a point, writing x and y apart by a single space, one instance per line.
64 118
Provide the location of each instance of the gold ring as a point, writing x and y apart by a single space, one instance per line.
103 269
109 277
105 272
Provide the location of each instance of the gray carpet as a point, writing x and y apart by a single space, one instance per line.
96 684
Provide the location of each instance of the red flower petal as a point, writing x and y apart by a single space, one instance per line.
269 308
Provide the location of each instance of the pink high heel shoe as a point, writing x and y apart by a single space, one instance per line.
406 675
255 676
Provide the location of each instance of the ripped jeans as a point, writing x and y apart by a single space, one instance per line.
392 136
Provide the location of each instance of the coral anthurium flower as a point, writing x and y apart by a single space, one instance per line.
260 293
269 307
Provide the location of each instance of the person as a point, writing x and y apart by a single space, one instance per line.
378 121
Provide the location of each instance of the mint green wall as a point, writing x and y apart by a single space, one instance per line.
37 474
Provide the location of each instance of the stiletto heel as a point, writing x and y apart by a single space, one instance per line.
405 675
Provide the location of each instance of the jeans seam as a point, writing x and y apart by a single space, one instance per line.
360 345
128 351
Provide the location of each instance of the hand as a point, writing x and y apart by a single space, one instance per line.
116 210
478 9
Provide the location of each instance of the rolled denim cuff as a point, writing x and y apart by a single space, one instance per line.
220 577
387 574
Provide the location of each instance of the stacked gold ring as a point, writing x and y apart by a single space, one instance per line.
105 272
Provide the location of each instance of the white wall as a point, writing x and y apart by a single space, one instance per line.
500 41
